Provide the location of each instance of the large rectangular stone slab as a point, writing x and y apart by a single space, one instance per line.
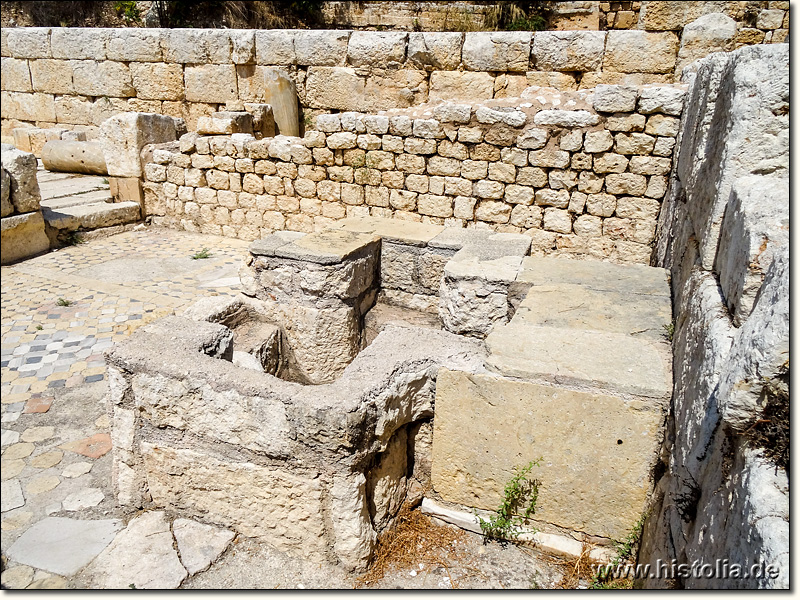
580 307
327 247
616 362
597 275
596 449
22 236
392 230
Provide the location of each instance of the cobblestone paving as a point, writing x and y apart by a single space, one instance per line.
59 313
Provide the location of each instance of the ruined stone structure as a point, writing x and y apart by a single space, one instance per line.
447 179
23 231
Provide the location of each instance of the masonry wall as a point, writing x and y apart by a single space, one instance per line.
76 78
583 180
724 235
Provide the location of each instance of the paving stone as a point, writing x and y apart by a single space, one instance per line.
61 545
77 469
85 498
40 485
93 447
47 459
48 583
16 519
38 405
17 577
37 434
199 544
20 450
11 495
8 437
11 468
141 555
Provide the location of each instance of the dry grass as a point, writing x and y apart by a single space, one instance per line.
415 538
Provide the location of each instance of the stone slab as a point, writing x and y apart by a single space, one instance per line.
602 360
267 246
597 275
142 555
22 236
392 230
494 270
495 246
596 449
578 307
92 216
63 546
326 247
199 544
12 495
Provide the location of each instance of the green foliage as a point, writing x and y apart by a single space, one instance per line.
626 549
62 302
39 328
72 238
669 330
517 506
204 253
239 14
128 12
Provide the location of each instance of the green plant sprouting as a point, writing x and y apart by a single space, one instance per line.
204 253
669 330
626 548
517 506
63 302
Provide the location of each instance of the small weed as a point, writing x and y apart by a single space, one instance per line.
39 328
669 331
519 495
132 586
62 302
204 253
73 238
128 12
626 550
105 180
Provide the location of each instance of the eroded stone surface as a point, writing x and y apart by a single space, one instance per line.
199 544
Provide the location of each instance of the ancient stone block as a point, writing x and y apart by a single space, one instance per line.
16 75
615 98
435 50
124 135
211 83
87 43
568 490
321 48
566 118
157 81
104 78
22 236
640 52
29 42
135 44
376 48
568 50
275 47
496 51
23 186
710 33
458 85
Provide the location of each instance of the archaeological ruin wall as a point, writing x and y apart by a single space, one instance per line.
581 174
724 236
75 78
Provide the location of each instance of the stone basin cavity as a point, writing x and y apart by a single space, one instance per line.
376 363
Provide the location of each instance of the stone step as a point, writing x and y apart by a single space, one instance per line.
94 197
92 216
71 186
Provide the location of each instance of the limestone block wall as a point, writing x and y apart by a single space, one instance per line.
581 174
78 77
723 234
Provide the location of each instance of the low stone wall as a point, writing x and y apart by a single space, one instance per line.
581 174
724 236
77 78
23 227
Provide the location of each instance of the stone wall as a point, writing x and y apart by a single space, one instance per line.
724 234
581 173
76 78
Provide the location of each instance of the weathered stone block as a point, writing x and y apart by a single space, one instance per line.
714 32
435 50
566 118
29 42
104 78
135 44
157 81
22 236
613 444
211 83
568 50
458 85
16 75
124 135
76 43
640 52
663 99
376 48
342 88
321 48
615 98
23 186
496 51
275 47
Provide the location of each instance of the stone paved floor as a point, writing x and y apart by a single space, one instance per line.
59 313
